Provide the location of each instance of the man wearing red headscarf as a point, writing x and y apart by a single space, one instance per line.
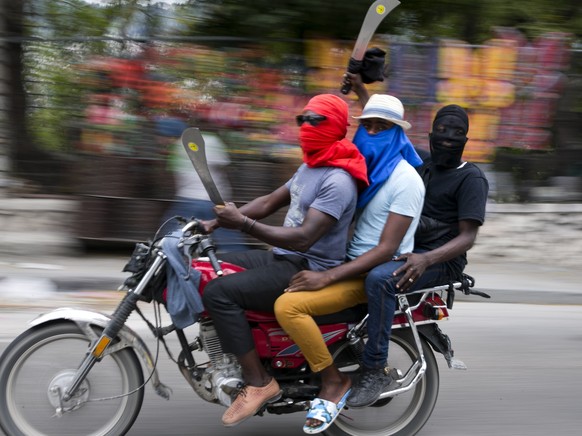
322 197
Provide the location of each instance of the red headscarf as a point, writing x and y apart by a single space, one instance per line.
326 144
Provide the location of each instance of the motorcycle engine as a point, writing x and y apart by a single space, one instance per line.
223 374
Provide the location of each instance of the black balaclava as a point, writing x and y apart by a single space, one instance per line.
449 136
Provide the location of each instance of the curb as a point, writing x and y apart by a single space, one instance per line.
94 289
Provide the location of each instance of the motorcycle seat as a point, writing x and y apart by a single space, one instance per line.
351 314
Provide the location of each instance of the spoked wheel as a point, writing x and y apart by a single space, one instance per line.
403 415
37 367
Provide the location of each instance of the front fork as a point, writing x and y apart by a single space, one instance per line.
113 327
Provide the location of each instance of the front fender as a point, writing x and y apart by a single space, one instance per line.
85 319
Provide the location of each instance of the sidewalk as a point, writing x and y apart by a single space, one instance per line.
528 283
95 278
57 281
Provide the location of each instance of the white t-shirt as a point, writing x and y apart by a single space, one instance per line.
402 193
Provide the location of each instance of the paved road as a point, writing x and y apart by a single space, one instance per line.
523 379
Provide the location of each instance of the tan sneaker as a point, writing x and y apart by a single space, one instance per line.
249 401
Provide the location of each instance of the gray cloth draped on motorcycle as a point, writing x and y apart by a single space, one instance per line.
183 299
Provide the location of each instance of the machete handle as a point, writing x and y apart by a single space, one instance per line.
354 67
347 87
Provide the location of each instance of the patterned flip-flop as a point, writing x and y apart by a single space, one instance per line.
324 411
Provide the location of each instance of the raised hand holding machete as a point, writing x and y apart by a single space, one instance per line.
376 13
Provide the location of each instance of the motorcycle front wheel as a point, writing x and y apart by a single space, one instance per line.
39 364
402 415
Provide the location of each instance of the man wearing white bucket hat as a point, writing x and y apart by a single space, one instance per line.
386 219
384 107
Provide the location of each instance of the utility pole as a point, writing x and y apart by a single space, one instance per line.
4 90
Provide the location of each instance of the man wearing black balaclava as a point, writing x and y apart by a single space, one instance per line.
454 206
449 136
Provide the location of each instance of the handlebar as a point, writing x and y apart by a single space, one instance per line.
207 249
191 225
194 237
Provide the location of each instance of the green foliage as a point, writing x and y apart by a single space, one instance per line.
51 87
468 20
282 19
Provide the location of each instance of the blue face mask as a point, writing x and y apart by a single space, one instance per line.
383 151
377 144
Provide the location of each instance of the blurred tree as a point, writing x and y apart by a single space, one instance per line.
473 21
285 19
469 20
15 131
43 40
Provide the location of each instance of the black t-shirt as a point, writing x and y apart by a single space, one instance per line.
452 195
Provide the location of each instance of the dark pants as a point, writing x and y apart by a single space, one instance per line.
381 292
226 298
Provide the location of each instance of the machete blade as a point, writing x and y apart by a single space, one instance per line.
376 13
193 143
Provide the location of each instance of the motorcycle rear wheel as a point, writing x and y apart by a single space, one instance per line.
42 361
403 415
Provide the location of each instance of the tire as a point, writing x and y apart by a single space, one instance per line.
47 356
402 415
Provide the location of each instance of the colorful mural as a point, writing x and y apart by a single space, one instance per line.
509 86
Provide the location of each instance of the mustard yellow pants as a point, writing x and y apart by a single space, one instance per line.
295 312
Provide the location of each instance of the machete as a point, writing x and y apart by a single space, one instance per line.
376 13
193 143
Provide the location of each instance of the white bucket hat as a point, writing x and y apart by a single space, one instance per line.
387 107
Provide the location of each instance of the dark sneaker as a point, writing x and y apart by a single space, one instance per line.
370 385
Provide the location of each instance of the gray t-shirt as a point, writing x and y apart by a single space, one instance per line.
332 191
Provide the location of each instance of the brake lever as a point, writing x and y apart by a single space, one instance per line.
480 294
467 283
207 249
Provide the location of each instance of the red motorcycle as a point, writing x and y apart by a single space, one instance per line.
76 371
79 372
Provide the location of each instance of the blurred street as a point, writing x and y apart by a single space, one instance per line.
523 376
